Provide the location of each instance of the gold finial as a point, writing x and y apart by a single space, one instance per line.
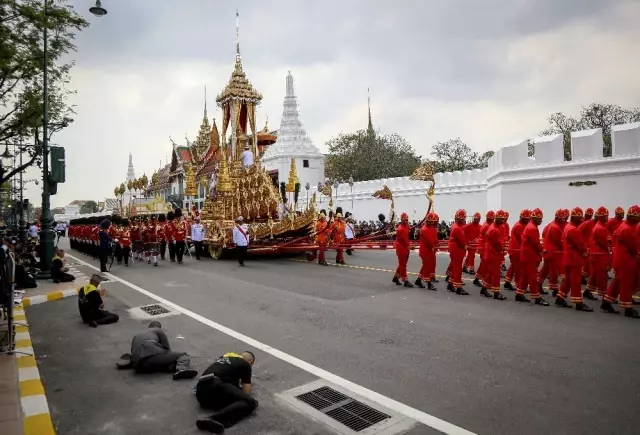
191 188
237 37
293 176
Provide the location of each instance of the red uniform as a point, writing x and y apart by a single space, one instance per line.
599 258
493 257
625 265
552 254
322 231
530 258
481 245
339 238
586 228
471 234
573 255
515 246
428 247
613 224
402 250
457 249
179 230
168 231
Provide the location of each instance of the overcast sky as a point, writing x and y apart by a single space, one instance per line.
488 71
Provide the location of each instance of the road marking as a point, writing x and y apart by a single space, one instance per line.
415 414
174 284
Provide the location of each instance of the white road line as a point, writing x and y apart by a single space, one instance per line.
415 414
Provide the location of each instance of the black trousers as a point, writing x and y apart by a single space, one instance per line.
104 317
242 254
172 251
198 246
103 255
163 248
179 250
230 402
168 361
125 252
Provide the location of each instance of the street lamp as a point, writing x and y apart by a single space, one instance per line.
98 10
320 191
6 154
351 186
307 186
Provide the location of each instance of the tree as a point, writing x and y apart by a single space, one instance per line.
367 155
595 115
455 155
89 207
21 71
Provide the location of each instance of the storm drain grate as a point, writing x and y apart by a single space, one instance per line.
154 310
355 415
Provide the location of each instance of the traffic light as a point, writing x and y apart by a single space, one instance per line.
57 165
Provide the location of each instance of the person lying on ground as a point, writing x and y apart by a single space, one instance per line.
59 272
225 387
91 306
150 352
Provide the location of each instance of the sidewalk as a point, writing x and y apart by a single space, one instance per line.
23 406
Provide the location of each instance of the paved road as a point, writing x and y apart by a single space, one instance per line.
490 367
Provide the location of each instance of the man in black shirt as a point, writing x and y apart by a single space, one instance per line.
59 272
91 306
150 352
226 387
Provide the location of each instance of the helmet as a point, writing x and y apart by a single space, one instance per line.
404 217
477 215
461 214
501 214
634 211
619 211
525 214
536 214
577 212
432 217
491 215
602 211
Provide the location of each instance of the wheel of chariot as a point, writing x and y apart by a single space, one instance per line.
216 252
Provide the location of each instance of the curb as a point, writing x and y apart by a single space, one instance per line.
53 296
36 419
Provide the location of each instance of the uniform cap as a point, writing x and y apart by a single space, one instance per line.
634 211
404 217
577 212
338 215
560 213
619 210
525 214
461 214
536 213
602 211
477 215
322 215
432 217
588 212
491 214
501 214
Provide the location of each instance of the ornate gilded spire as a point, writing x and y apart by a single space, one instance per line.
205 118
370 126
191 188
238 58
214 135
293 177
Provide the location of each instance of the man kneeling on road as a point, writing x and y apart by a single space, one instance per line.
91 306
150 352
226 387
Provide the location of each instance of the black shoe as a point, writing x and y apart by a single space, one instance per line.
450 287
407 284
126 265
499 296
543 292
472 272
634 302
508 286
522 298
562 303
419 283
435 280
396 280
446 278
431 286
124 362
631 312
554 293
484 292
588 295
461 292
56 281
210 425
540 301
477 282
584 280
93 324
608 308
185 374
155 264
465 270
583 307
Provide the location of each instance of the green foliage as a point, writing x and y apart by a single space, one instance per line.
367 155
595 115
89 207
455 155
22 24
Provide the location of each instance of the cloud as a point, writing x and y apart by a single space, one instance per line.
489 72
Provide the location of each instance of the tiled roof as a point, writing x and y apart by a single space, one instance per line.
111 204
184 153
79 202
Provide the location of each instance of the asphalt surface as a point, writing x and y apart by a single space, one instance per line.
490 367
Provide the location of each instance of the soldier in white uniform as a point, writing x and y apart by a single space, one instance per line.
349 231
197 236
241 239
246 157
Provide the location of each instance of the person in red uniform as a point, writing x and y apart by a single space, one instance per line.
586 227
515 244
471 233
428 249
574 251
161 233
95 237
599 256
125 243
168 233
179 233
615 221
530 258
322 232
625 265
152 249
506 236
457 249
338 237
493 256
114 232
552 252
136 237
403 248
490 216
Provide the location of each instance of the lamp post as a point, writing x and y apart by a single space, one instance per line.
351 186
307 186
335 187
320 191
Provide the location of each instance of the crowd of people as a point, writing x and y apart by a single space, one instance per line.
581 247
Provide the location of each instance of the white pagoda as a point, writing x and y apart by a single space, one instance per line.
293 142
131 176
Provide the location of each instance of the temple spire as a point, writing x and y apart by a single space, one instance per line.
237 37
205 103
370 125
131 175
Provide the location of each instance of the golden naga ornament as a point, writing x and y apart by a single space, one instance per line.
424 172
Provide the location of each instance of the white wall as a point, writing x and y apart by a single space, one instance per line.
513 181
313 174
